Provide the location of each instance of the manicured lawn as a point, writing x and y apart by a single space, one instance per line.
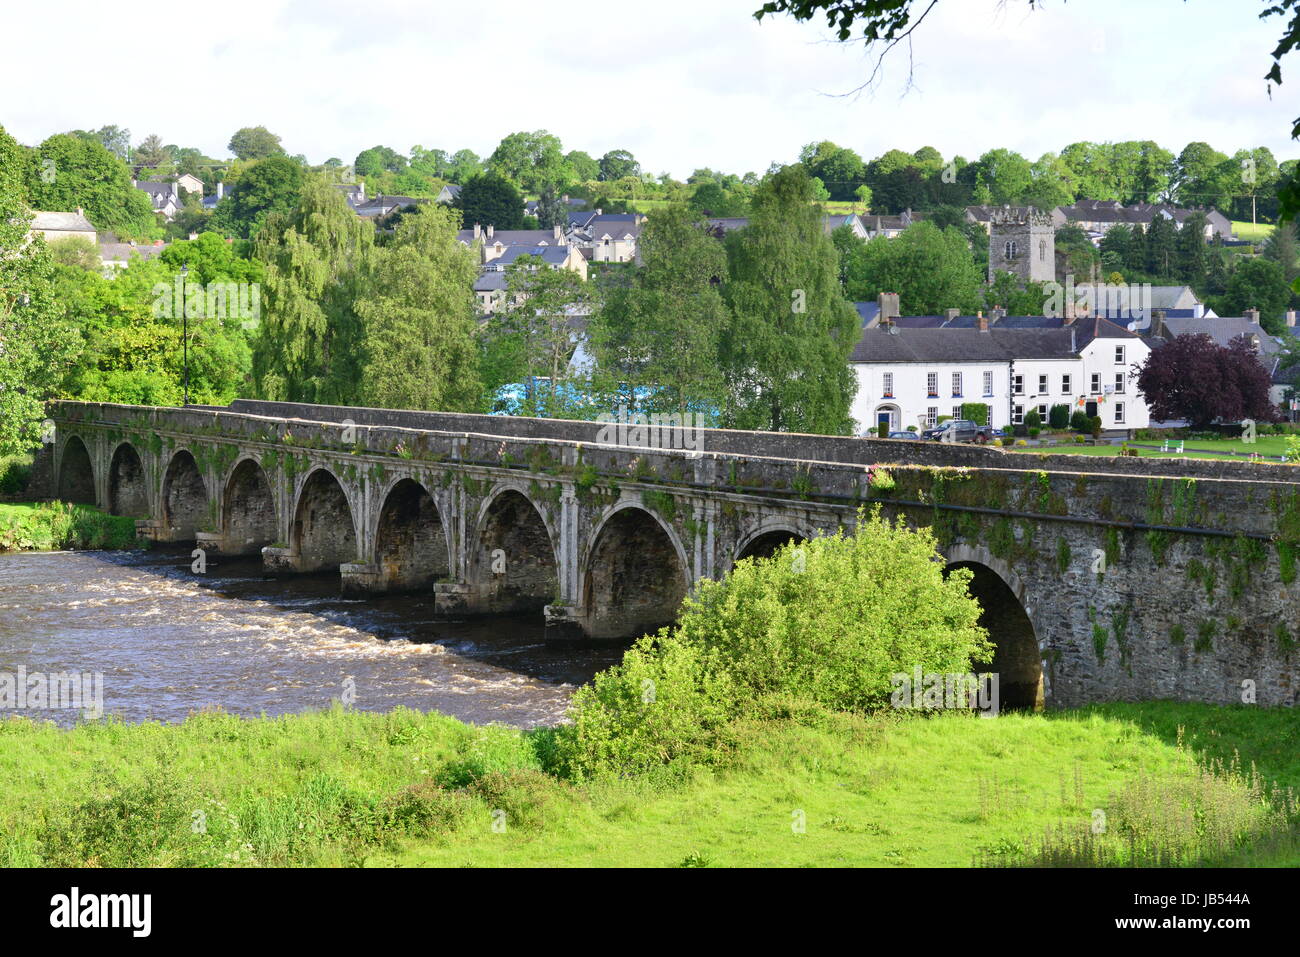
348 787
1274 445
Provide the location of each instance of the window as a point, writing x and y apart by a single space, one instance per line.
956 412
1017 415
956 383
932 383
1042 412
1010 249
988 383
1065 385
1119 355
1119 413
932 416
1042 385
1042 250
1018 385
1095 387
887 385
1119 382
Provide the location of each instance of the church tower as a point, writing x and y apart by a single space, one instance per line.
1022 241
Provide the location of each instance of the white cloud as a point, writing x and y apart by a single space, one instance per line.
682 83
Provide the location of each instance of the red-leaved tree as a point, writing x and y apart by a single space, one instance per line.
1195 378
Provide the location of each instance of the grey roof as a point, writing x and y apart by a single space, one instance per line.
867 310
71 222
553 255
1110 211
490 281
939 344
1222 330
729 223
122 252
511 237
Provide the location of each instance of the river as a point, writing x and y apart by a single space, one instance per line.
169 642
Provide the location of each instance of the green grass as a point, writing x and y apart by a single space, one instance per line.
407 789
44 526
1251 232
1274 445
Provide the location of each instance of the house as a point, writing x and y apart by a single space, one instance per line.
354 193
606 237
860 226
574 204
493 243
913 373
57 226
190 183
888 226
210 202
1132 305
117 256
1268 349
985 215
490 287
1098 216
447 195
165 198
382 205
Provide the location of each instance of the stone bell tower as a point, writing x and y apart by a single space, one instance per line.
1022 241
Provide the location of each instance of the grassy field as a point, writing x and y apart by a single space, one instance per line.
1256 232
43 526
408 789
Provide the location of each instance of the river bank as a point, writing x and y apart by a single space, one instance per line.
340 787
55 526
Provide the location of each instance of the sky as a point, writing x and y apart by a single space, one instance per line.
681 83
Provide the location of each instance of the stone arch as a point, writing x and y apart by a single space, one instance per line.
636 574
248 514
324 533
184 497
1008 616
766 539
128 492
513 566
76 473
411 546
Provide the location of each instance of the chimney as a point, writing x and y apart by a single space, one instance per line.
80 211
981 322
194 236
478 231
221 190
558 234
1071 309
599 212
490 230
1290 318
950 314
997 314
176 190
888 302
362 190
1074 340
1158 327
1252 315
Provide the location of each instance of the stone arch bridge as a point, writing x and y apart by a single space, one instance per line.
1101 578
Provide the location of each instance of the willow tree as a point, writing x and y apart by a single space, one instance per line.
318 260
785 352
417 318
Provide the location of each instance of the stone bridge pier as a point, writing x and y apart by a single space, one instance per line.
1100 579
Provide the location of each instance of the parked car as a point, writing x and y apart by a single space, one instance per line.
962 430
903 435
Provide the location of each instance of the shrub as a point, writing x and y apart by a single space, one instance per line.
1094 426
14 474
882 430
1034 432
977 412
1058 417
827 621
1033 420
1079 421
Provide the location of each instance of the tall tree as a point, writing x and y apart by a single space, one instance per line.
151 151
930 268
1194 378
67 171
317 262
36 343
489 199
663 332
418 326
616 164
531 160
583 165
785 353
268 187
255 142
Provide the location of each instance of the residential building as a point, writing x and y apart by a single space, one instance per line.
57 226
1098 216
494 242
165 198
448 194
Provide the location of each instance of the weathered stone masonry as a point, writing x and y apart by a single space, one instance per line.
1102 579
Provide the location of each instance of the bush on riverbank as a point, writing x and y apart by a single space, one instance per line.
823 623
14 473
46 526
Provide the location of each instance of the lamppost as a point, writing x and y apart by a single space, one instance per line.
185 327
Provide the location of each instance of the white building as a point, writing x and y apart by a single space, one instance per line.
913 376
